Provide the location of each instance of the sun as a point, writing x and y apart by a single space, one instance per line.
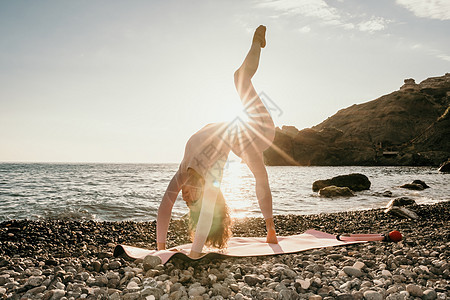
232 111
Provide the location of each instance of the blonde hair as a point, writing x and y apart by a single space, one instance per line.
220 231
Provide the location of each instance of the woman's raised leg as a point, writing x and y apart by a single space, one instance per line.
257 134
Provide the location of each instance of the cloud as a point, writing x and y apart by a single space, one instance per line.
432 9
431 51
305 29
309 8
444 57
349 26
319 9
374 24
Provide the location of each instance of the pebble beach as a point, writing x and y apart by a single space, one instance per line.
67 259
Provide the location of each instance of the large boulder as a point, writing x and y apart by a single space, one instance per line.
401 201
413 186
396 208
422 183
417 185
401 212
335 191
355 182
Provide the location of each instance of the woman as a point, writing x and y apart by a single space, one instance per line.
200 173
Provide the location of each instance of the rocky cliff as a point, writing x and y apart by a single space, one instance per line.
407 127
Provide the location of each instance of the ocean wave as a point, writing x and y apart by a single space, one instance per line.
67 215
117 192
134 194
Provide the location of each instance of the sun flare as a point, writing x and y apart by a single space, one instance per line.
231 112
235 187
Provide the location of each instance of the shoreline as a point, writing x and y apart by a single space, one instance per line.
56 259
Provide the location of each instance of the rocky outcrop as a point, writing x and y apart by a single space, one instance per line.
410 86
433 144
407 127
445 167
355 182
335 191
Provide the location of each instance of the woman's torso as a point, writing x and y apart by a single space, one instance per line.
207 148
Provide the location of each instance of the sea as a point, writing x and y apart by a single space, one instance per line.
133 192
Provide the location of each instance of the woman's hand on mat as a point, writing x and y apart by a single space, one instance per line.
194 254
161 246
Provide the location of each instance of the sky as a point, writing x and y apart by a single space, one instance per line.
131 81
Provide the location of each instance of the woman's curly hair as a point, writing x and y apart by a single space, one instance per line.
220 231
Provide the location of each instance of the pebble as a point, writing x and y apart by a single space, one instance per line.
35 281
196 290
150 262
351 271
132 285
251 279
96 266
429 295
414 290
57 294
397 297
290 273
335 256
288 294
394 271
131 296
372 295
348 296
114 265
37 290
305 284
359 265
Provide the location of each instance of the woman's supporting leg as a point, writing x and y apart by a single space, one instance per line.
263 193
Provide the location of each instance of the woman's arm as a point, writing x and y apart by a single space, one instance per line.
165 210
213 180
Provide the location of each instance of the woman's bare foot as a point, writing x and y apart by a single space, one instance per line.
271 233
271 237
260 36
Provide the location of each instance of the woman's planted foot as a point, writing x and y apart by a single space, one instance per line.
271 237
271 233
260 36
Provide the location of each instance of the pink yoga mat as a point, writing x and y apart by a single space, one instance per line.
244 247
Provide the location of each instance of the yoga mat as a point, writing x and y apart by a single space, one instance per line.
243 247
